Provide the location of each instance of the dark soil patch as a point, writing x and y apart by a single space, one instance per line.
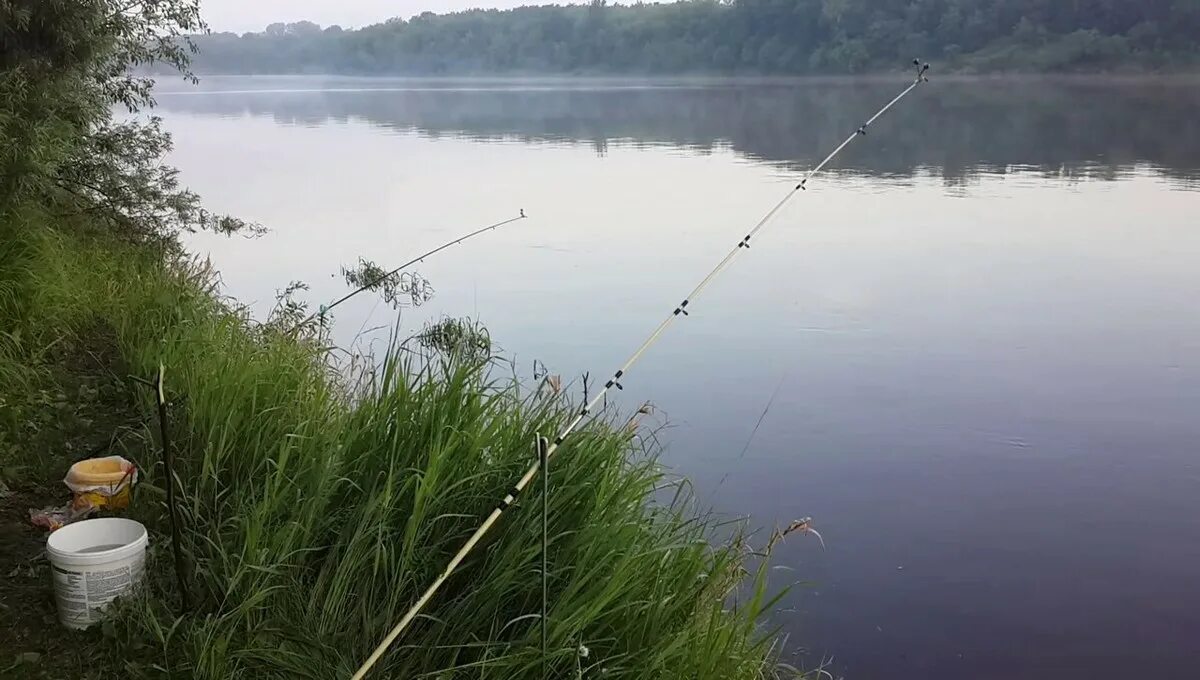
86 409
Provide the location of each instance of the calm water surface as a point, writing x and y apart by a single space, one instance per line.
982 324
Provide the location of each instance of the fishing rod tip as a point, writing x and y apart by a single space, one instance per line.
922 69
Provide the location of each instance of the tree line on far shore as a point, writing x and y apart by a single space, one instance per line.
734 36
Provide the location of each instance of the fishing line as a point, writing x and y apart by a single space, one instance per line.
680 310
762 417
367 286
363 328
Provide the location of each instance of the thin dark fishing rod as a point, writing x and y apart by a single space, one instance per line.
367 286
614 381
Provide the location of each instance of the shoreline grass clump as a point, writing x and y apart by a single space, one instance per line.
316 509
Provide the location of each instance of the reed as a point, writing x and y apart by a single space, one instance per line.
317 504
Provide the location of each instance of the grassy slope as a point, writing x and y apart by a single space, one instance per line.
314 518
65 401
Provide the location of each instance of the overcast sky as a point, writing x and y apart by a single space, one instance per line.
253 15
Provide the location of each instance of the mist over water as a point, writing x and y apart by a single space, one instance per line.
981 322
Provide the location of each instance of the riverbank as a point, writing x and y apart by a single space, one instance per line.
317 506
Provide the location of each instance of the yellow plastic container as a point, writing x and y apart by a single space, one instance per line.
101 482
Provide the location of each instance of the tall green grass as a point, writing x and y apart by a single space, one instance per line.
20 376
317 508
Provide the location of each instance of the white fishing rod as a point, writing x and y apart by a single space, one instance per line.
614 381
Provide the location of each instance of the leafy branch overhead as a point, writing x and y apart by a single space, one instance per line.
117 174
64 66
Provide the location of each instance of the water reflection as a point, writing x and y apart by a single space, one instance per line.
958 129
988 404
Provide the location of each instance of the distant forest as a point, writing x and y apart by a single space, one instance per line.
734 36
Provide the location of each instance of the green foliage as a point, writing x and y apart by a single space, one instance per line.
19 387
396 288
760 36
315 515
64 65
20 374
457 338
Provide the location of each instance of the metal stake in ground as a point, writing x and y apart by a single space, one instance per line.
169 467
168 458
680 310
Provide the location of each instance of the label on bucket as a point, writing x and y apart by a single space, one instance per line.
83 594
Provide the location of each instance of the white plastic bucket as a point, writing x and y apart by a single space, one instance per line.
93 562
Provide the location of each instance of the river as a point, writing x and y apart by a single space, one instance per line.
970 351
